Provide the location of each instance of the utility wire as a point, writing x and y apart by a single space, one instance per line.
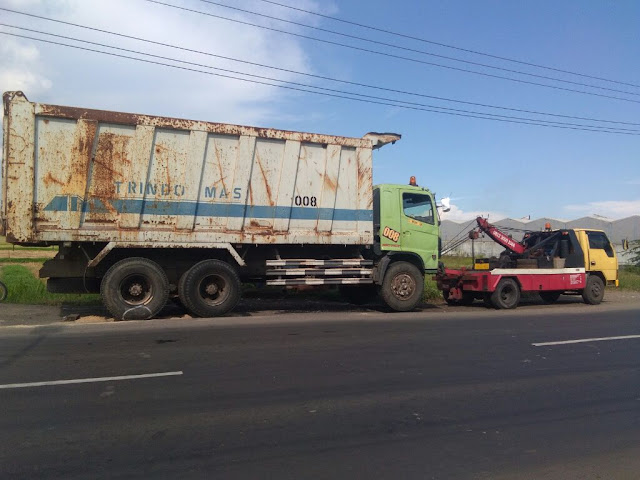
370 98
461 49
321 77
408 49
390 55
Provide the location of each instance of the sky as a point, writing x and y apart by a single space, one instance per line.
388 64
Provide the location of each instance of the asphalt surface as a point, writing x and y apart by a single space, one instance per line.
442 393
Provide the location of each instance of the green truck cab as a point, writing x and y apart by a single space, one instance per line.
407 223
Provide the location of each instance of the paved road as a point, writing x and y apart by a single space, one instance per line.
451 394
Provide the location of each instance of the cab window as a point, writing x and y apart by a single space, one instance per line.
418 207
599 241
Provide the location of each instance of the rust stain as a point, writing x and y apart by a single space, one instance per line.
264 178
49 179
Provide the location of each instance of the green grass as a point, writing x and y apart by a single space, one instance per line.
25 288
629 278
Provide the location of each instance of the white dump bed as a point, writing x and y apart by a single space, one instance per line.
73 174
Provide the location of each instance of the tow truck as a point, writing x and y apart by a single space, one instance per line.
549 262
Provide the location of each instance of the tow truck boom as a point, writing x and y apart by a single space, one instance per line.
499 237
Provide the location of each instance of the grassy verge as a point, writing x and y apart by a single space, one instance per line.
629 278
25 288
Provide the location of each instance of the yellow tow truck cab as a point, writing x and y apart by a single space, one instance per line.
599 255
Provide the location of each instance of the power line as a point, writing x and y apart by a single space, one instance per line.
324 89
343 95
355 37
361 49
461 49
321 77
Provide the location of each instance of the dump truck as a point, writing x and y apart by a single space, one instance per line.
550 263
143 208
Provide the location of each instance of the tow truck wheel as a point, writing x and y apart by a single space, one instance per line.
402 287
593 292
210 288
135 288
506 294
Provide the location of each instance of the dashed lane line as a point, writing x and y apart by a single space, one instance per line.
89 380
584 340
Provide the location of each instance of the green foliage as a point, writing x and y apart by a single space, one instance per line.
25 288
629 277
635 251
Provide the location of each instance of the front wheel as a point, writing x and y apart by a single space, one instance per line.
506 294
210 288
593 292
402 287
135 288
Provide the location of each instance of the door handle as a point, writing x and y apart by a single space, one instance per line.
593 263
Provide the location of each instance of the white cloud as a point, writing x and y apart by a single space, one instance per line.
75 77
456 214
614 209
21 68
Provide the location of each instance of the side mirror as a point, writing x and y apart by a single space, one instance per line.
445 204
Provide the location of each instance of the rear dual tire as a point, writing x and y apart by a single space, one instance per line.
134 289
210 288
506 295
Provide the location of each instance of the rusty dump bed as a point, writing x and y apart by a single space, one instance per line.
73 174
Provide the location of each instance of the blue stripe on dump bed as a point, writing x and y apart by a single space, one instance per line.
61 203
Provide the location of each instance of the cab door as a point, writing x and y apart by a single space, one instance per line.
601 256
419 226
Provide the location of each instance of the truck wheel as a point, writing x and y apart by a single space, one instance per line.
135 288
550 297
402 287
210 288
358 294
593 292
506 294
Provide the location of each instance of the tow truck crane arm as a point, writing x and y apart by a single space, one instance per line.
499 237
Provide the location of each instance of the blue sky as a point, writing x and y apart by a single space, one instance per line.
486 167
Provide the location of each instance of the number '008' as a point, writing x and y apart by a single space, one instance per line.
305 201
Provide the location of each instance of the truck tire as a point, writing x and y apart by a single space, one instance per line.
593 292
358 294
210 288
135 288
550 297
506 295
402 287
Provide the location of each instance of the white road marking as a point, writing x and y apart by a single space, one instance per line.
89 380
584 340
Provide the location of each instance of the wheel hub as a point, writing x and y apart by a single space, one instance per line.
403 286
211 288
135 290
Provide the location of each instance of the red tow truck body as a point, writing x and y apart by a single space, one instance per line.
550 263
